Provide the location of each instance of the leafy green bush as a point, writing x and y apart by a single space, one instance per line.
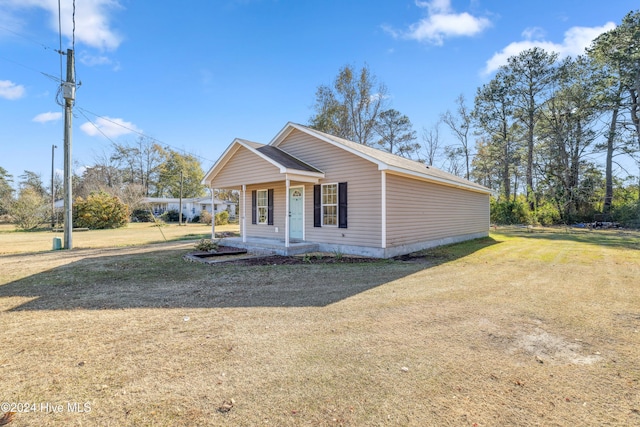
627 214
508 211
100 211
222 218
545 214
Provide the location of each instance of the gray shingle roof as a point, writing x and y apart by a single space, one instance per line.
285 159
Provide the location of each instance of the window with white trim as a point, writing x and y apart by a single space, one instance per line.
330 204
262 203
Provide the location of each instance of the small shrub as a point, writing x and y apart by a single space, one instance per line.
171 216
100 211
207 245
222 218
142 215
205 218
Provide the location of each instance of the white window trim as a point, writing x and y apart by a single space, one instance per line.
322 204
266 207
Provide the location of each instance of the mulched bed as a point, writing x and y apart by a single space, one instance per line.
301 259
221 251
233 258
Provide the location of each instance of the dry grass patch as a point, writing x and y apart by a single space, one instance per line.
13 241
520 329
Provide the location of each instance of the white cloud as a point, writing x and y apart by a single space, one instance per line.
93 60
109 127
533 33
441 23
47 117
91 19
10 90
576 40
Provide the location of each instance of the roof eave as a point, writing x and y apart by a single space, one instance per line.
222 160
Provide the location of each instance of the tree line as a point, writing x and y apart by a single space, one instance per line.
129 172
530 135
532 132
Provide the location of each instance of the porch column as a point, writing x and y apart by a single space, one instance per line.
383 207
244 213
286 212
213 213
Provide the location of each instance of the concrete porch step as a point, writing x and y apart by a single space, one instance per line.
270 246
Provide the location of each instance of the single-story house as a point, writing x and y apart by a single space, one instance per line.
310 191
191 207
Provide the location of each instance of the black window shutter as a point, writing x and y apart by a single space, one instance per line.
342 205
270 206
317 207
254 207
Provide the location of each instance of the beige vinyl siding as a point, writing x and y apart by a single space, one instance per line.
363 189
419 211
275 231
245 167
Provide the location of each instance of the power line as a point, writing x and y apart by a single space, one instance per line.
44 46
84 110
49 76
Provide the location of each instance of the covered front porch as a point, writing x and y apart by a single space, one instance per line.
266 246
272 188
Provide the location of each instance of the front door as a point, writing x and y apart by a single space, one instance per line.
296 209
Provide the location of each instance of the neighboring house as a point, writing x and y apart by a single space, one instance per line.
307 190
191 207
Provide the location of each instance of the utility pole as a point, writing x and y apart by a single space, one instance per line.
53 190
69 94
180 213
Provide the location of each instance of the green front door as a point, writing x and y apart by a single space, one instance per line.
296 209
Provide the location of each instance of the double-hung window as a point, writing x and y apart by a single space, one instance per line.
262 207
330 204
262 203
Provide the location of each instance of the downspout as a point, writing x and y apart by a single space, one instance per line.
244 213
383 207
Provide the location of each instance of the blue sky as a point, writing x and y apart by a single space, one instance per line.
196 74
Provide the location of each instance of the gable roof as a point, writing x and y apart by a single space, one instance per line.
285 162
384 160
